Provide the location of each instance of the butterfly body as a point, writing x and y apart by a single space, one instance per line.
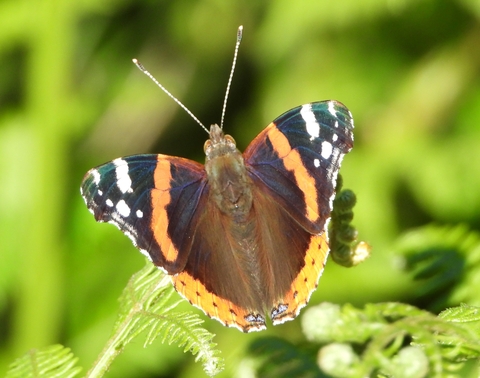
227 177
244 236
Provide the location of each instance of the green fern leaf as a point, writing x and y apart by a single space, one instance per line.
147 305
462 314
393 339
54 361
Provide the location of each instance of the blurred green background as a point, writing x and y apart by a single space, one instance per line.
70 99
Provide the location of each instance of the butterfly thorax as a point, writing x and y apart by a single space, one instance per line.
230 186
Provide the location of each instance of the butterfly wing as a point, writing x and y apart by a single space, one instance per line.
296 160
152 199
161 204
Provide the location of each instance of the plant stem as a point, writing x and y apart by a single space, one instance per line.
123 330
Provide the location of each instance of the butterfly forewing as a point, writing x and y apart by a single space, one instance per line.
151 199
298 157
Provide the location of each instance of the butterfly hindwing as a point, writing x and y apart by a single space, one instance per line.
240 273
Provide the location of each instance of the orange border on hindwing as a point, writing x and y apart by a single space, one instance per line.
306 281
215 307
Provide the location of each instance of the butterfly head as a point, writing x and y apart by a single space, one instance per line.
219 144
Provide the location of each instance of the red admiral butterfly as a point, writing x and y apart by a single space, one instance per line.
244 235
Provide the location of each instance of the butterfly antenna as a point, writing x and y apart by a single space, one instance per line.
142 68
237 45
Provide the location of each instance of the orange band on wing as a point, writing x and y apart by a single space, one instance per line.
306 281
160 200
214 306
293 162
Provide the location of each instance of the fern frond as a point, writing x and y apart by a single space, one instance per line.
381 340
49 362
146 305
345 250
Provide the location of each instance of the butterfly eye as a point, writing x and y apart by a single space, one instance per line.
230 141
207 146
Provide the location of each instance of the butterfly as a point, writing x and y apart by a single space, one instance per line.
243 237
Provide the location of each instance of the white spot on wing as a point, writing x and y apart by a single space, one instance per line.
335 162
124 182
334 137
123 208
311 124
333 173
96 176
351 118
139 213
316 163
331 109
326 149
100 193
109 202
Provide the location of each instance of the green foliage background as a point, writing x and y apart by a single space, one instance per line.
70 99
